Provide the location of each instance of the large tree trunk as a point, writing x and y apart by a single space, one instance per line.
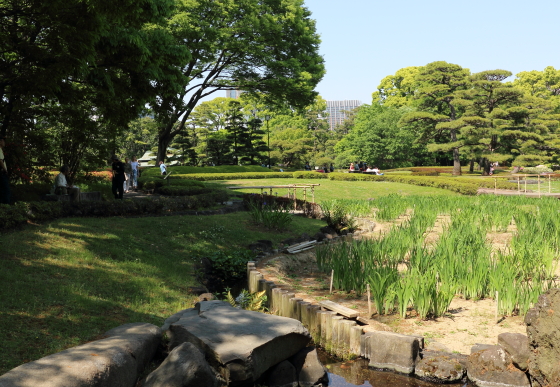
163 144
471 166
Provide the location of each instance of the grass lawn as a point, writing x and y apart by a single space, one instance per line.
67 282
330 189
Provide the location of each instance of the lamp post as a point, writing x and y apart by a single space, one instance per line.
267 117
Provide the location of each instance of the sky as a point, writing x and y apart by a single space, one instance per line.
363 41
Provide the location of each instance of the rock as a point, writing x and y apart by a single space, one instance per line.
480 347
111 362
393 351
309 369
184 366
305 237
241 345
440 367
174 318
283 375
493 367
206 297
517 346
543 331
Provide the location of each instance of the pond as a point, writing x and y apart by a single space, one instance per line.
357 373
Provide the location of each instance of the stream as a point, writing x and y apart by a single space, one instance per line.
357 373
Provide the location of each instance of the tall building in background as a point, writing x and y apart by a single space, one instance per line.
233 93
336 110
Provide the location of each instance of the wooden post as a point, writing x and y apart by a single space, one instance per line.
313 194
497 306
368 301
518 185
549 186
295 199
539 184
525 183
294 310
305 194
495 186
332 278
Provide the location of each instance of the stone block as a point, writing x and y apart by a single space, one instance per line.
111 362
283 375
309 369
393 351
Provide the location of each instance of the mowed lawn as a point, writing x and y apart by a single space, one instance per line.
68 281
331 189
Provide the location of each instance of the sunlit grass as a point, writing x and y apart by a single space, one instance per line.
69 281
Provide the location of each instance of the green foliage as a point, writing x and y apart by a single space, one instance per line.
460 262
426 173
236 176
228 267
380 141
337 217
271 215
536 170
267 50
309 175
185 170
171 190
247 301
22 212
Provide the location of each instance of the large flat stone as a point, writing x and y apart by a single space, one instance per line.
517 346
111 362
239 344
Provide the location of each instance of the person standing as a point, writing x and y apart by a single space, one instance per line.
127 174
5 193
118 177
162 168
134 165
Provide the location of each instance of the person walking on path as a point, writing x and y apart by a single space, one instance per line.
162 168
118 177
5 193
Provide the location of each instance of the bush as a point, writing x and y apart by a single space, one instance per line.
271 215
425 173
309 175
222 269
535 170
22 212
173 190
235 176
453 184
337 217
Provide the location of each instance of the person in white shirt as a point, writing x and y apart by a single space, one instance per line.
63 188
162 168
134 178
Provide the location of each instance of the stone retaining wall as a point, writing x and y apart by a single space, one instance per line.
405 354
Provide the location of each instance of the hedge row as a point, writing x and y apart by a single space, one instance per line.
152 183
236 176
452 184
173 190
22 212
309 175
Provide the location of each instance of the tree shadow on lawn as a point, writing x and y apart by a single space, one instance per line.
63 286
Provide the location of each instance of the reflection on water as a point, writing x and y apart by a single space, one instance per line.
357 373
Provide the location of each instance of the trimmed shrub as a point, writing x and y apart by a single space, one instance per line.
22 212
173 190
236 176
309 175
535 170
425 173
